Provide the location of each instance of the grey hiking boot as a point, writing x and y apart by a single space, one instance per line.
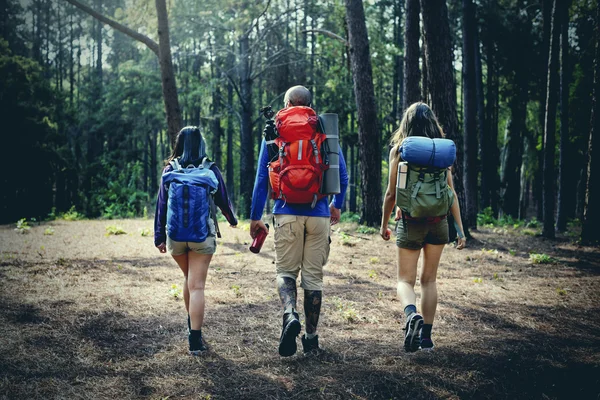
310 345
412 333
289 332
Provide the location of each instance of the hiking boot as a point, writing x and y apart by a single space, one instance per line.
289 332
412 333
197 345
310 345
427 344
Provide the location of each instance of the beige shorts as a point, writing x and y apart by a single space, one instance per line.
302 244
209 246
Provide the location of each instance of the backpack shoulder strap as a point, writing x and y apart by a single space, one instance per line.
175 164
206 163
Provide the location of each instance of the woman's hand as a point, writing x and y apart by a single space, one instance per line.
162 247
385 232
461 243
398 214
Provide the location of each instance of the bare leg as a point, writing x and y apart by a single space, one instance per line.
431 259
182 261
407 275
312 309
286 287
198 269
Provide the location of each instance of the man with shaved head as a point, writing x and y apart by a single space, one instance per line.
301 231
297 96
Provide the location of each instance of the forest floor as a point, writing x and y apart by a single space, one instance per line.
84 314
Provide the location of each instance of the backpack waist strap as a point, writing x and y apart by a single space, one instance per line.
428 220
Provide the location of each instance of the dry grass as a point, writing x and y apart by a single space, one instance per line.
85 315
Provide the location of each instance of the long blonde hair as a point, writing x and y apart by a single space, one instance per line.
418 120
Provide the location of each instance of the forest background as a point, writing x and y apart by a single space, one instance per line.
93 92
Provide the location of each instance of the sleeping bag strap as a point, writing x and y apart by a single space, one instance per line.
438 190
418 184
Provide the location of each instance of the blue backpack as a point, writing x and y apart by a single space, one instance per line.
190 202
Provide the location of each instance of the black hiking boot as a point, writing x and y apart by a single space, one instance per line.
412 333
310 345
289 332
197 345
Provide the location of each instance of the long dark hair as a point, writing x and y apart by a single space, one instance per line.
418 120
189 146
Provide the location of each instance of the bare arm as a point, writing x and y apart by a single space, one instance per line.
390 194
455 211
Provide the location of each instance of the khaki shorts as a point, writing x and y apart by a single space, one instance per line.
209 246
414 235
302 244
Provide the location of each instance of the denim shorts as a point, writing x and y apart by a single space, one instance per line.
208 246
414 235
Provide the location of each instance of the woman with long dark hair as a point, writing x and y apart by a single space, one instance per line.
413 235
192 257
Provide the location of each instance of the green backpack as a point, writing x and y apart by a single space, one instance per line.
427 193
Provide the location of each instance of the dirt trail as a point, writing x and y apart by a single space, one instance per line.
86 315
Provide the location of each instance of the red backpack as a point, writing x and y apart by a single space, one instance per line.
297 174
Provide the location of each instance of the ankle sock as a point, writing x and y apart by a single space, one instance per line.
195 334
410 309
311 335
426 330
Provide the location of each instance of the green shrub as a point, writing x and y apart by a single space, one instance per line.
22 226
175 291
366 230
71 215
115 230
536 258
486 217
348 216
144 232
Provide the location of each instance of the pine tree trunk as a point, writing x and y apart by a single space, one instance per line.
471 166
481 123
539 178
442 87
368 127
229 169
167 73
247 145
412 73
566 190
590 234
550 127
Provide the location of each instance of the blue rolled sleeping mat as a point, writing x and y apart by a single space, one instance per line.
426 152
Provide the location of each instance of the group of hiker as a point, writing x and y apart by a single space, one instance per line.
303 170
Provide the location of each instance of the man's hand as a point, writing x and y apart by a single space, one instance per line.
385 233
162 247
335 214
255 226
462 242
269 131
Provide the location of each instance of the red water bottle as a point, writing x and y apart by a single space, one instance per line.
258 241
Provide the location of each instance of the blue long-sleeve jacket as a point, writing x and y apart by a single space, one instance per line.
261 191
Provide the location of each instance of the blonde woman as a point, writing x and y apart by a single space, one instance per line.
414 236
